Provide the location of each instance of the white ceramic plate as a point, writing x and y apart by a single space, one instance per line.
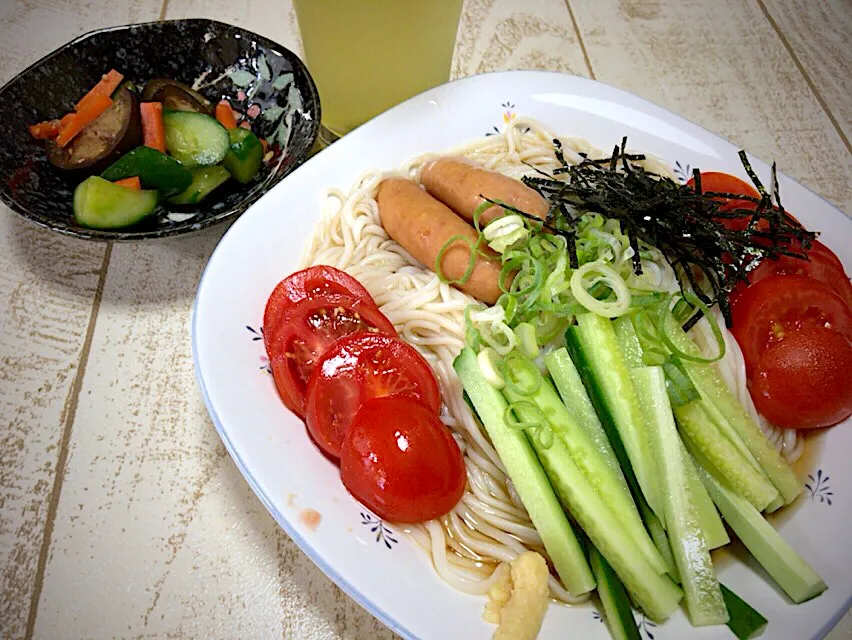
377 565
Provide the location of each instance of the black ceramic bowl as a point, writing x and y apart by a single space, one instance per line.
221 60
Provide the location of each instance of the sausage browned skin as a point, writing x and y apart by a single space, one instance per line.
422 225
458 184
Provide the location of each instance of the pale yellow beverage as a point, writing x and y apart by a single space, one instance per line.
368 55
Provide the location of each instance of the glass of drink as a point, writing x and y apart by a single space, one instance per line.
368 55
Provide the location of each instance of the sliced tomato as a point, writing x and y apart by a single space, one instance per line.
356 368
307 330
768 311
718 182
805 380
400 461
313 282
821 265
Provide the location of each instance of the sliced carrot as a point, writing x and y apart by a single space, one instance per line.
108 83
130 183
225 115
153 130
94 108
68 117
45 130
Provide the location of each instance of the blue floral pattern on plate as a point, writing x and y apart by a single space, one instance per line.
376 525
647 628
682 172
257 335
817 488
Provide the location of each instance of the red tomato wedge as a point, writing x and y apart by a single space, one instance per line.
304 333
716 181
309 283
821 265
805 380
768 311
356 368
400 461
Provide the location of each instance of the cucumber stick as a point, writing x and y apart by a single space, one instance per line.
711 523
655 593
570 387
616 603
713 389
779 559
628 341
708 516
704 601
700 432
609 486
661 540
529 478
594 349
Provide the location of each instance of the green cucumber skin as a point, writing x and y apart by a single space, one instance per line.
570 387
594 348
711 523
714 390
154 169
704 601
656 594
616 603
696 428
628 341
100 204
195 139
530 480
608 485
245 155
661 540
745 622
204 181
798 580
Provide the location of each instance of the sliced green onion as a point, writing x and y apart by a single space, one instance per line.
663 317
544 435
489 364
603 273
509 304
504 232
549 325
680 389
439 270
525 337
491 335
477 213
515 359
472 336
529 406
539 428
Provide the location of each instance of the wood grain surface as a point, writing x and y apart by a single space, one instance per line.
47 295
818 37
148 530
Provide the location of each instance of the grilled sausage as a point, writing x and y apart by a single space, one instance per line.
460 185
422 225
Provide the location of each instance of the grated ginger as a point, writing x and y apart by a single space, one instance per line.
518 600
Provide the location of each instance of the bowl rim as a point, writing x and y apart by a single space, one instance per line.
191 225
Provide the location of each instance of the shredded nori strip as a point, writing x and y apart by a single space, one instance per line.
681 221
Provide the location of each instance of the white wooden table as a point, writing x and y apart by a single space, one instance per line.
121 515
